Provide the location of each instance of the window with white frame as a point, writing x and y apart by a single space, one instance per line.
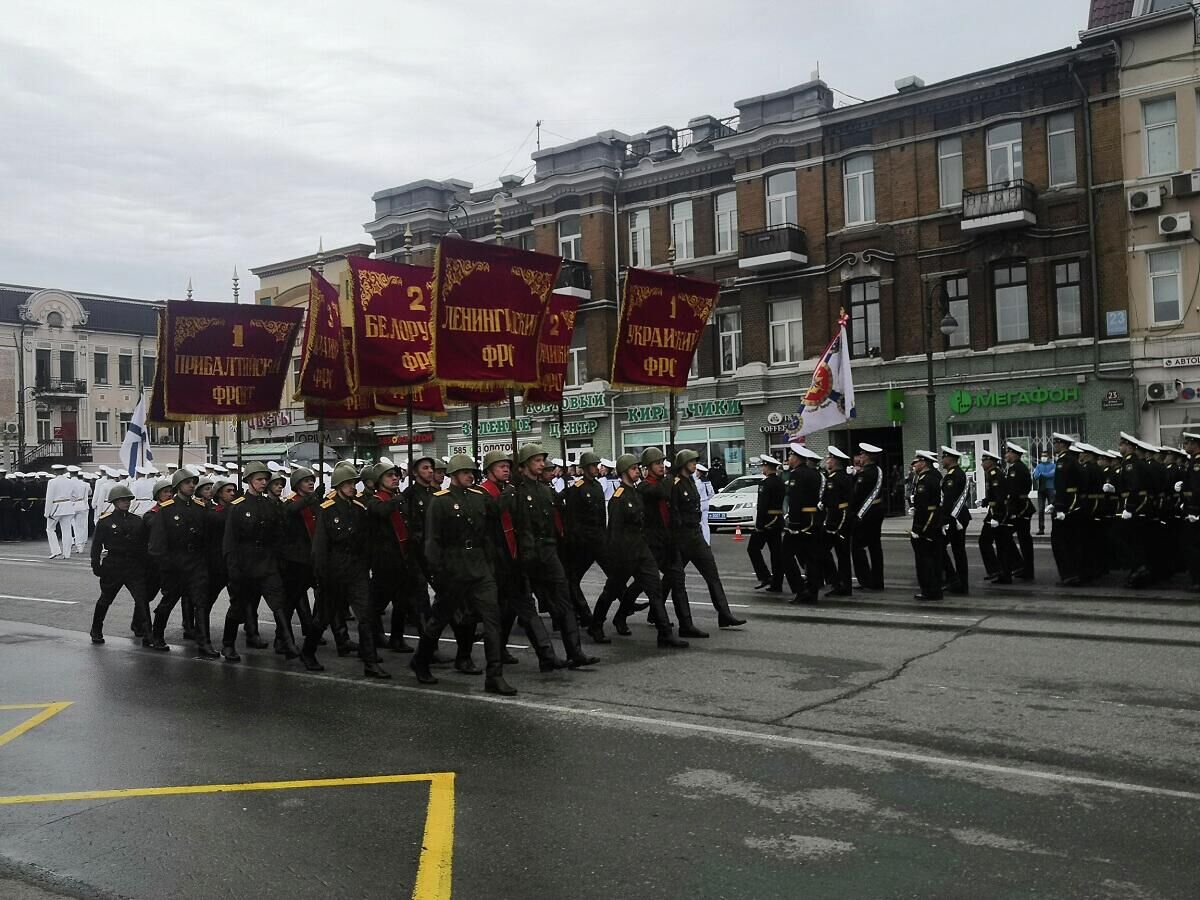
725 207
1158 125
101 433
1166 290
577 372
639 238
44 430
960 308
1067 300
859 185
781 198
1005 160
950 171
864 317
681 229
124 420
125 368
570 238
729 337
787 331
1010 287
1060 129
694 369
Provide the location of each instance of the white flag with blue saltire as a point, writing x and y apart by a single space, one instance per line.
829 400
135 448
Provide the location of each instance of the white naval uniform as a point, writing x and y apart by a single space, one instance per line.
59 514
706 494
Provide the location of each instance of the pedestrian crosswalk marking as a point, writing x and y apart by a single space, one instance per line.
48 710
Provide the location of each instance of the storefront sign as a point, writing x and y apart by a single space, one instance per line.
1176 362
1113 400
777 423
498 426
571 403
963 401
420 437
697 409
279 419
579 426
485 447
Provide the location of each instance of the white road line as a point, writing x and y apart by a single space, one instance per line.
38 599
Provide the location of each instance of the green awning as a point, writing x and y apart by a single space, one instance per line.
258 451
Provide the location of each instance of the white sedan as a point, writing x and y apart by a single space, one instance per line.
735 503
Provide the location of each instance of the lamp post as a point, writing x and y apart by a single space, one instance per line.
948 326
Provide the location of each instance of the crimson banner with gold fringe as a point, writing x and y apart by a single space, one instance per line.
393 338
157 414
488 304
662 318
324 366
554 349
221 359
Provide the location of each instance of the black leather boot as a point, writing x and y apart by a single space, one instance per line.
253 637
495 684
688 629
157 639
97 632
228 638
283 634
189 620
421 659
596 633
204 637
667 638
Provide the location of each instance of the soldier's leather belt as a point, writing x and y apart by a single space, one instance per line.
843 505
774 512
808 509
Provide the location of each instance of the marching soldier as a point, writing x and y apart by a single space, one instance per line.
586 543
1017 485
423 483
1190 496
836 500
691 546
868 506
389 550
926 531
768 528
177 545
802 533
1067 532
955 517
656 495
119 561
340 560
995 535
460 570
295 553
160 492
1135 484
1091 485
224 493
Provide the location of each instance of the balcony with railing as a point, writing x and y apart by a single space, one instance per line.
68 452
1009 204
775 247
59 387
575 279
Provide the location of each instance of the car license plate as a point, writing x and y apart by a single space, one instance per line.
716 516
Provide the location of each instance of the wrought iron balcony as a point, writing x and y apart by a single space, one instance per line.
72 387
1009 204
68 452
776 247
575 279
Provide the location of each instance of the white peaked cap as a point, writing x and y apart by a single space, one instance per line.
58 467
1059 436
870 448
557 462
1016 448
768 459
838 452
608 463
74 469
950 451
701 467
927 455
990 454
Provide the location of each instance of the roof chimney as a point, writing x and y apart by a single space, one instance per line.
909 83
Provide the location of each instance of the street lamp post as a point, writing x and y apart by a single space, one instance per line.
948 326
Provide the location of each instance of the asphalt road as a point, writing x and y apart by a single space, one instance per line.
1017 742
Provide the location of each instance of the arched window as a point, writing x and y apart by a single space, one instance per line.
54 320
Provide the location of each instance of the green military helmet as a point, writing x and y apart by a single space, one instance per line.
528 452
182 475
255 468
119 492
460 462
343 472
625 462
206 481
494 456
589 459
298 475
683 457
163 484
652 455
377 471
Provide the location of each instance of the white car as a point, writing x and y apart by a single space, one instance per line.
735 503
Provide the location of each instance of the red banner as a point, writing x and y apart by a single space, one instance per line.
662 318
554 349
324 368
476 397
392 314
365 405
222 359
488 304
428 398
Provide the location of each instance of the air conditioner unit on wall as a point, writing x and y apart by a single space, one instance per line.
1175 223
1144 198
1185 185
1161 392
10 427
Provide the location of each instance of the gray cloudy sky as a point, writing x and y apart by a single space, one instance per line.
143 143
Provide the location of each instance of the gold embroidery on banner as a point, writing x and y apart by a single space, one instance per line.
281 331
457 271
701 306
372 284
569 317
537 282
187 327
640 293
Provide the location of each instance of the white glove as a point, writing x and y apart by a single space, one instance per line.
987 523
1050 508
1126 514
946 528
820 506
913 535
1193 519
1059 516
1109 488
1179 487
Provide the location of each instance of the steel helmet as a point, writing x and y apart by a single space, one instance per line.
460 462
494 456
254 468
589 459
119 492
652 455
163 484
528 452
683 457
342 473
625 462
182 475
299 475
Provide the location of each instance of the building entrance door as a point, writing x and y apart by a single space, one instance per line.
971 446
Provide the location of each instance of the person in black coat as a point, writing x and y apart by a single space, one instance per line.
955 517
802 532
838 527
119 560
926 533
768 528
868 507
1017 485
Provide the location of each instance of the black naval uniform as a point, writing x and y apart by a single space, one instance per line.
689 542
955 517
119 561
838 528
1134 484
768 530
1067 535
996 536
8 508
1191 509
253 530
926 535
177 546
868 508
1017 485
802 534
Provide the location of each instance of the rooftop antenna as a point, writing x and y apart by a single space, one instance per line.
320 266
538 126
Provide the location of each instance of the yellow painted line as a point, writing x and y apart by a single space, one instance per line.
48 710
436 866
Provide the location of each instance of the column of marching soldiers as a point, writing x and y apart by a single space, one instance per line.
1136 510
490 554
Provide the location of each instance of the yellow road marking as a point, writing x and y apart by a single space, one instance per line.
48 710
436 863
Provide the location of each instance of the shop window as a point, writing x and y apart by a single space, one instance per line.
960 308
787 331
729 331
781 199
1067 299
1010 291
864 319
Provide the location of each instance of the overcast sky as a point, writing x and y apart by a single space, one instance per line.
143 143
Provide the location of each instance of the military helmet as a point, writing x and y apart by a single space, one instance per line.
460 462
119 492
683 457
206 481
380 469
652 455
182 475
163 484
528 452
255 468
342 473
589 459
625 462
494 456
299 474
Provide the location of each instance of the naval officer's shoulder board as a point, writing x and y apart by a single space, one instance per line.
238 500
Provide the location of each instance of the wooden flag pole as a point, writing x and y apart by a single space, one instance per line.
475 432
237 419
562 433
512 422
673 400
409 422
320 472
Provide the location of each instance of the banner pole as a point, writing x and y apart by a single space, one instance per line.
562 433
409 423
320 471
182 426
238 423
512 422
475 433
673 401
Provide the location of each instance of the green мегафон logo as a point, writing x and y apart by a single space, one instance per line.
961 401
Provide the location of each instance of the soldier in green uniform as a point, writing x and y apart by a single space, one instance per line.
295 552
119 560
423 483
656 494
160 492
389 551
926 533
585 533
460 571
690 544
177 545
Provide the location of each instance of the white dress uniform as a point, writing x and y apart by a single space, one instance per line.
706 491
100 495
81 495
59 515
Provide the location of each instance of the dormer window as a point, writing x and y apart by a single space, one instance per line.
54 320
